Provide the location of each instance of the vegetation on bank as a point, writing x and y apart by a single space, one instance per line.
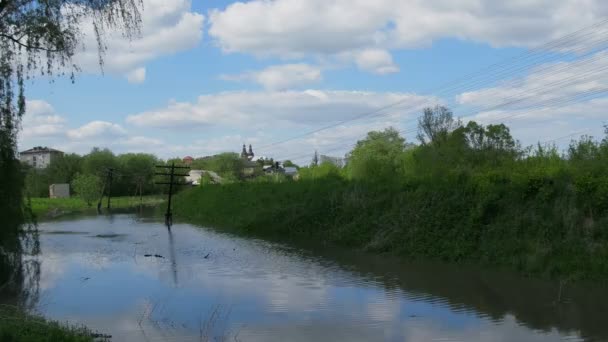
464 194
17 326
45 207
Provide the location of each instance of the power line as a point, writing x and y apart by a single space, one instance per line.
546 105
552 45
514 99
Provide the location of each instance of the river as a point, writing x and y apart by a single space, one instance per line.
128 276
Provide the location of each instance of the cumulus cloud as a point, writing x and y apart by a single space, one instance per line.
137 75
263 109
168 27
264 117
96 129
280 77
294 29
549 82
41 120
43 126
376 61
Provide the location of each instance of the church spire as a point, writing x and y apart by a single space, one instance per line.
244 152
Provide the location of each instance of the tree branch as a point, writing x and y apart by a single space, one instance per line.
27 46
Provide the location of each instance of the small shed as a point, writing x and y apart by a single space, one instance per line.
59 191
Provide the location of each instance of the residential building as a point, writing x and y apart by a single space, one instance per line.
39 157
187 160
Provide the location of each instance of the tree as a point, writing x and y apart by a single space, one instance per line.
376 157
63 169
87 187
315 159
289 163
435 125
137 173
98 161
227 165
43 36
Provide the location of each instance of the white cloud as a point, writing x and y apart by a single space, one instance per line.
211 146
140 141
42 126
376 61
168 27
551 101
41 120
262 117
96 129
39 107
294 29
280 77
547 82
137 75
291 109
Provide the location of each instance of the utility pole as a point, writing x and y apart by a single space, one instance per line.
103 190
171 183
107 179
110 175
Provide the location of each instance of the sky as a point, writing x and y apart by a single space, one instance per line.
292 76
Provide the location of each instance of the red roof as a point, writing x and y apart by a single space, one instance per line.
188 158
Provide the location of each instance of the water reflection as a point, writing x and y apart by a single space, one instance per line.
172 258
95 272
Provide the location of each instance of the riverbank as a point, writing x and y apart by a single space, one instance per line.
45 208
542 228
17 326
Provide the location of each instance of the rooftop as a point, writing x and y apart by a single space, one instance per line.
40 149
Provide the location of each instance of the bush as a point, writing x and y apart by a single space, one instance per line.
88 187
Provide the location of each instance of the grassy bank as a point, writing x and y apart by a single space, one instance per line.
52 207
17 326
466 194
539 226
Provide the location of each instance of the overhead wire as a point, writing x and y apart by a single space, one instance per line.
553 45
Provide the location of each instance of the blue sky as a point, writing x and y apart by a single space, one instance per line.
207 76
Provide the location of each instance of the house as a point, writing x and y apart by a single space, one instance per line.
289 171
194 177
187 160
39 157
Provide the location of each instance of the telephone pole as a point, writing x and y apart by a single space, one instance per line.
171 183
107 180
110 176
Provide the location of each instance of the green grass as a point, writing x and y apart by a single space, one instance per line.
45 207
17 326
547 231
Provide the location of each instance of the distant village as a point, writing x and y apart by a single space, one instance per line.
252 166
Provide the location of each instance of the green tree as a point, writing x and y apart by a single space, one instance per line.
289 163
98 161
376 157
137 173
43 36
63 169
435 125
227 165
87 187
37 182
315 159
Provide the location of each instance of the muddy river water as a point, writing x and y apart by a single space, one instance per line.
127 276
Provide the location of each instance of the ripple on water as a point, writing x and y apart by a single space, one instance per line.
275 292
